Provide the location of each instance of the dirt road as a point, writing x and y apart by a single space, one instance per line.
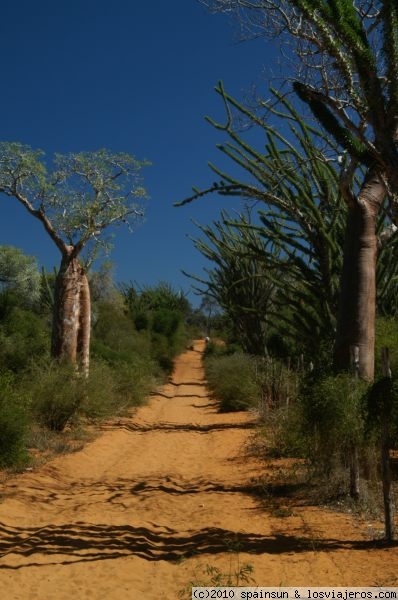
141 512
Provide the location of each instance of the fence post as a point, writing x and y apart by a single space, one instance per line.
385 448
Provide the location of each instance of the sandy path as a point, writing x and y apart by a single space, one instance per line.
140 511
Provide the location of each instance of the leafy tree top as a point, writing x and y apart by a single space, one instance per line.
79 196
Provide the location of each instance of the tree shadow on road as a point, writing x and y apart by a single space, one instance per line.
84 542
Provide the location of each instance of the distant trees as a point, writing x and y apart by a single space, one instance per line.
76 200
19 273
161 312
344 62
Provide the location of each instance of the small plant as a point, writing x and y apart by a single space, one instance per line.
212 576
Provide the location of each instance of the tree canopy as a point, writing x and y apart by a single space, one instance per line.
79 196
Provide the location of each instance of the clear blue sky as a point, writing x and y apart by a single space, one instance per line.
131 76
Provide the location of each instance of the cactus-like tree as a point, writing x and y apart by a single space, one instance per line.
239 281
345 68
76 200
299 237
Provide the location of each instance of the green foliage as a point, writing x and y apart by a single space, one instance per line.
19 274
289 255
161 313
387 336
238 283
79 196
59 397
23 334
327 119
277 274
232 381
278 385
331 415
56 394
166 322
115 338
13 424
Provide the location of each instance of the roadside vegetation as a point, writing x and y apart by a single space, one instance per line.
275 272
46 404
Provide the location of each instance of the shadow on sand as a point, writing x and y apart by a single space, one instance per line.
83 542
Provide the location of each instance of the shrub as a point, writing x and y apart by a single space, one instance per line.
232 381
114 334
13 424
56 394
112 390
278 385
332 419
23 335
135 380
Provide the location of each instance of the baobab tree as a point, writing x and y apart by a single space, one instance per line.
76 200
341 57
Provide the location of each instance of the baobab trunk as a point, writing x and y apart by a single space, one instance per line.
71 317
357 310
83 334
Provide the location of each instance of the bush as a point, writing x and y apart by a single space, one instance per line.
241 381
332 419
278 385
135 380
113 390
386 335
23 335
56 394
114 335
13 424
232 381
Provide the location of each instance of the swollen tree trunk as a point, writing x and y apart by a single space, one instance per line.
72 312
83 337
357 310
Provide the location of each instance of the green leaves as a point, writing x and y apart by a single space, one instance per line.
80 196
329 121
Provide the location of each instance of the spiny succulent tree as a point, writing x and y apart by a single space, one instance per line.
301 225
239 280
299 232
344 63
76 200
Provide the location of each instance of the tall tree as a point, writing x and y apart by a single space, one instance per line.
297 243
344 61
81 196
239 281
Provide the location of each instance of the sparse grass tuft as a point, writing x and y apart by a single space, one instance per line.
211 576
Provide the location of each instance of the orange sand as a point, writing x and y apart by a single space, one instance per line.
142 510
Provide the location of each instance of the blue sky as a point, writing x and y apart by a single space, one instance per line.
131 76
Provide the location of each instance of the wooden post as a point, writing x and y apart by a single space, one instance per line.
354 359
354 459
287 382
385 451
